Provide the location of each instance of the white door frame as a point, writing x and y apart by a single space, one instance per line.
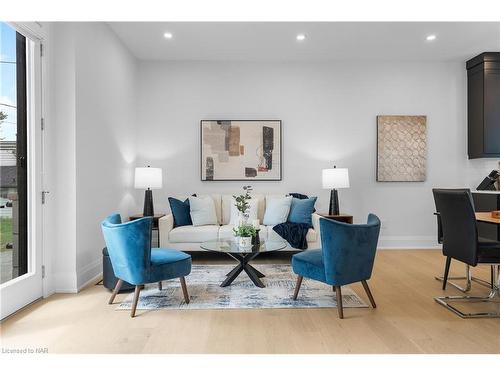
23 290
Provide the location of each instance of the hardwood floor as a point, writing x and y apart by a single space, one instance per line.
407 320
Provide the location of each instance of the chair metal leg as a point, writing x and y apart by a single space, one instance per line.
184 289
297 286
159 285
446 272
136 299
338 293
468 279
493 297
369 293
118 286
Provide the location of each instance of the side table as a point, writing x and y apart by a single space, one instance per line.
156 217
344 218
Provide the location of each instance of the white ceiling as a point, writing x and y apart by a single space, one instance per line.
276 41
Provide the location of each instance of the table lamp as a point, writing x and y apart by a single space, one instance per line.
148 178
335 178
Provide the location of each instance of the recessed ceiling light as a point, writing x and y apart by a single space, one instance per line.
430 37
301 37
168 35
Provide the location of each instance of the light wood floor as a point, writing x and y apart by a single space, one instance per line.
407 320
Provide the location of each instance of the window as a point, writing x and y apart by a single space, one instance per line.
13 155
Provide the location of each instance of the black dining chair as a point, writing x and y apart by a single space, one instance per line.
461 242
468 273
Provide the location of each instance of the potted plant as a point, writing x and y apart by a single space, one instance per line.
245 232
242 204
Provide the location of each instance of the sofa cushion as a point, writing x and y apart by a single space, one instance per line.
202 211
252 211
312 235
191 233
226 232
226 207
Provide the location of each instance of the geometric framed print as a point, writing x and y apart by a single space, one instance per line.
401 148
240 150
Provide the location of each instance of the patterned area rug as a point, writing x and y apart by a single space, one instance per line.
206 293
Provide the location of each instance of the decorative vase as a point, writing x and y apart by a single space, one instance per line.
243 218
256 238
245 241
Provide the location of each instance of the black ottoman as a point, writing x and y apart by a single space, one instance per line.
108 276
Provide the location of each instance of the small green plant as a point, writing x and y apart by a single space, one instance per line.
242 204
245 230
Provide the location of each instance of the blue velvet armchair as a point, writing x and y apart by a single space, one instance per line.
346 256
134 261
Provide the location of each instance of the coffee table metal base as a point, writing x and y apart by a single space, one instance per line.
243 265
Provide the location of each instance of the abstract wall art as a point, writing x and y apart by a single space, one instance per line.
240 150
401 148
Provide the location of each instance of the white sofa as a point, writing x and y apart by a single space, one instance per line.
190 237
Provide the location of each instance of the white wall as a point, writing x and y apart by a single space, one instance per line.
329 116
91 146
105 143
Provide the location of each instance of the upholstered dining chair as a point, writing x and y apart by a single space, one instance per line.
134 261
461 243
346 256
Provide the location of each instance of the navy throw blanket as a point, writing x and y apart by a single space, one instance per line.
294 233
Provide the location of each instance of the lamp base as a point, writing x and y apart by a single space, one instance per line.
334 203
148 203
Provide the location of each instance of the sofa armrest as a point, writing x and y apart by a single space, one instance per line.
315 221
165 225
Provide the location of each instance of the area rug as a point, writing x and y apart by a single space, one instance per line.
206 293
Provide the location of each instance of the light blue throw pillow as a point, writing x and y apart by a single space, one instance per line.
277 209
301 211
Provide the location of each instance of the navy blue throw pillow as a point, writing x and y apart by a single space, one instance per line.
180 211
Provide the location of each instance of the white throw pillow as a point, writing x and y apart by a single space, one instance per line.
252 211
277 210
202 211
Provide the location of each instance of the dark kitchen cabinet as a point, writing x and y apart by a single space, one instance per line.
483 105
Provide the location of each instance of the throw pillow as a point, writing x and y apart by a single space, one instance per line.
301 211
252 211
202 211
300 196
277 210
180 212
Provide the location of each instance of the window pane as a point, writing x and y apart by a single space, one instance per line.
13 232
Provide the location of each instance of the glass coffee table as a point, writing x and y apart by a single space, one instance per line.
243 256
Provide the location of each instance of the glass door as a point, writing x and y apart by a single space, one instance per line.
20 257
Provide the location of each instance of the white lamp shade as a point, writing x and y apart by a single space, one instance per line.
148 178
335 178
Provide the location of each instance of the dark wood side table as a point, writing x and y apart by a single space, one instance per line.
156 217
344 218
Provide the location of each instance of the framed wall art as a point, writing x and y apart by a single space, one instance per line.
241 150
401 148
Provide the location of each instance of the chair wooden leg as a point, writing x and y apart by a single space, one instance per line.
338 293
118 286
159 285
369 293
297 287
184 289
446 271
136 299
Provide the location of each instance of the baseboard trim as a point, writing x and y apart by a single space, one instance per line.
65 282
407 242
89 273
